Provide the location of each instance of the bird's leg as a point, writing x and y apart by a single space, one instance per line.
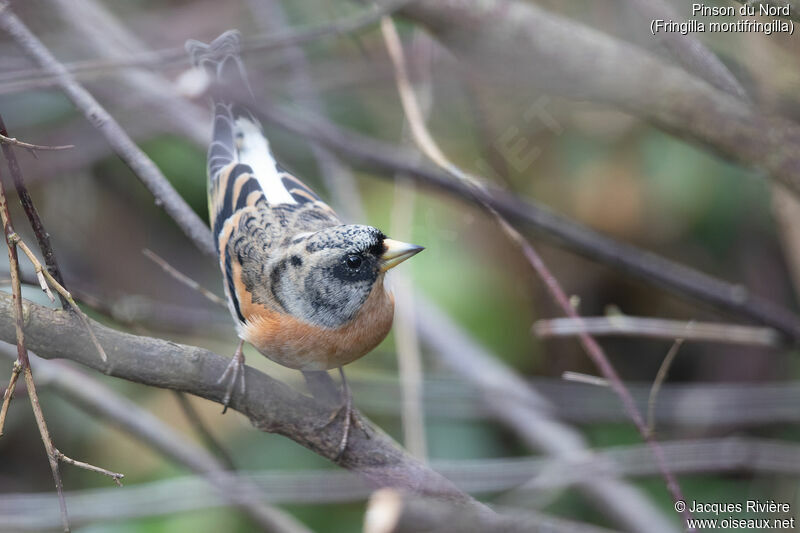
234 370
349 415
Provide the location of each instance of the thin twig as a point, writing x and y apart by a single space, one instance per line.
595 352
183 278
658 328
13 141
48 444
661 375
86 466
8 394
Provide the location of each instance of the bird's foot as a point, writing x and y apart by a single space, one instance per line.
349 419
233 372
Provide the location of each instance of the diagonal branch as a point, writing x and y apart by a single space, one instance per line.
269 404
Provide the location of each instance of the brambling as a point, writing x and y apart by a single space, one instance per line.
304 289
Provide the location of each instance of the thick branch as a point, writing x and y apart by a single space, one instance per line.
269 404
556 54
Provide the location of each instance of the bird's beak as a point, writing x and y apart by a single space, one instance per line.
396 252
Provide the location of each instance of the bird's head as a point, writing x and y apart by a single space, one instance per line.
330 273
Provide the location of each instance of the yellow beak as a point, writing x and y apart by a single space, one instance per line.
396 252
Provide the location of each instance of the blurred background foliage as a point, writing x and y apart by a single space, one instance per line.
607 170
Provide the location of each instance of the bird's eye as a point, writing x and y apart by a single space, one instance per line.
353 261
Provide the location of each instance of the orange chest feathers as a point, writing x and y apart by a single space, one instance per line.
296 344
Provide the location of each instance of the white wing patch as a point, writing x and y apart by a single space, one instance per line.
253 150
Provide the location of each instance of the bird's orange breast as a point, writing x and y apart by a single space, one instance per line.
296 344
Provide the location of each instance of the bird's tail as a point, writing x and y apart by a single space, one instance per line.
241 167
235 129
222 62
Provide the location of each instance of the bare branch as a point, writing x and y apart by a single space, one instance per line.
659 328
211 442
661 375
86 466
13 141
50 448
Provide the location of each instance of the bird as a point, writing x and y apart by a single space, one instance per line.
303 288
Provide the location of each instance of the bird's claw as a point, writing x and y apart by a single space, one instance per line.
233 372
349 418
